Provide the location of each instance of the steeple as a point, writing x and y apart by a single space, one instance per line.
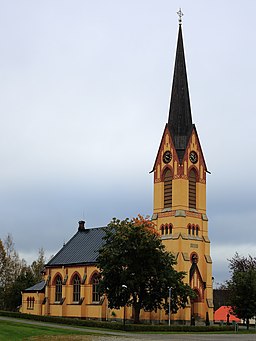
180 195
180 120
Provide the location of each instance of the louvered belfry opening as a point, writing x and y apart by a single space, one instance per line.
192 189
168 189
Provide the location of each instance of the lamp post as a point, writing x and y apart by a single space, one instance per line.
170 293
124 287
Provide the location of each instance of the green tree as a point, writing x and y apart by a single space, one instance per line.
136 269
13 264
13 296
2 273
242 287
38 265
11 267
2 260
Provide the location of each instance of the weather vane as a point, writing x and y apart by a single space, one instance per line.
180 14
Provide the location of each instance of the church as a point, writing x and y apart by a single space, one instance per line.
71 277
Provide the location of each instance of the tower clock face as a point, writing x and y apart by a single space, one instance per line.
193 157
167 156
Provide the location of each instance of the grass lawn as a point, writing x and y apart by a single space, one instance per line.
20 331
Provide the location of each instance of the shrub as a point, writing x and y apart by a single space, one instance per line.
118 325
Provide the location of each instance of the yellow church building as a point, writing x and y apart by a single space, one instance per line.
70 284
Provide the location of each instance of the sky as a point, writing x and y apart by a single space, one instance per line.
84 98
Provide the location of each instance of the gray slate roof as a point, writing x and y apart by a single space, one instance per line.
37 287
82 248
180 118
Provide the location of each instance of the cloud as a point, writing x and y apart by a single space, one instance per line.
222 253
85 93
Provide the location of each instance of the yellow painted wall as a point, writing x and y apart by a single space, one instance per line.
86 308
180 243
37 307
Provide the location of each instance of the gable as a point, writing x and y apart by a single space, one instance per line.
166 144
194 145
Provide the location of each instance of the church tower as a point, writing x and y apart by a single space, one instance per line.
180 195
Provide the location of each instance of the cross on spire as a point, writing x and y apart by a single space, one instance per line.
180 14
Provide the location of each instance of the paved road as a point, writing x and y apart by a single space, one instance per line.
123 336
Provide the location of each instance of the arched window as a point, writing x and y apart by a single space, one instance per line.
162 229
192 189
167 189
189 229
193 230
170 228
166 229
76 288
30 303
58 289
95 288
197 230
194 258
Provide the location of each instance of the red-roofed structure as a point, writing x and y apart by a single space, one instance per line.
222 313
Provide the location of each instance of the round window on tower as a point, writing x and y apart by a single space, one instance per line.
194 258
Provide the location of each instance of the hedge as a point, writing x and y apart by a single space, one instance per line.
117 325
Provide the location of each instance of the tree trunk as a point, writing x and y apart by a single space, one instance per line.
136 313
247 323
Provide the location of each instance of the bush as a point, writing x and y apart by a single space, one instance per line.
118 325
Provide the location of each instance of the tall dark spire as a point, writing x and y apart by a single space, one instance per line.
180 120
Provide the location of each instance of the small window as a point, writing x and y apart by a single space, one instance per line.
193 230
162 229
170 228
76 288
166 229
194 258
58 289
30 303
189 229
197 230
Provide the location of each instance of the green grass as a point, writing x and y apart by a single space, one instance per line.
12 331
15 331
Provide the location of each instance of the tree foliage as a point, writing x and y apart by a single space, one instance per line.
15 274
137 270
2 262
2 272
38 265
242 286
10 268
13 296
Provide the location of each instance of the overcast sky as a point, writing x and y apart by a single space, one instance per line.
84 97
